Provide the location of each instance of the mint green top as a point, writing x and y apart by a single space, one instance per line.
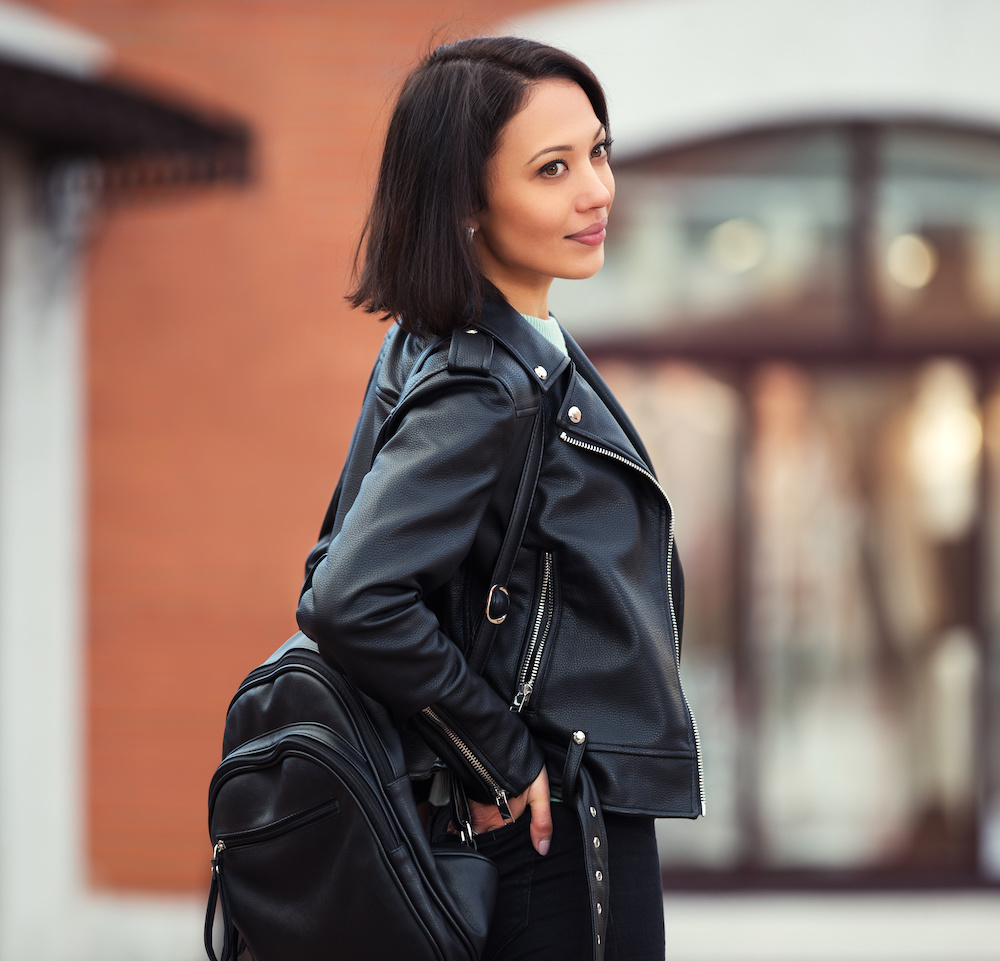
548 327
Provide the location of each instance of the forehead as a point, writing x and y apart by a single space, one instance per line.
555 113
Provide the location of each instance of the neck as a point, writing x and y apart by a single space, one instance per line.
532 306
527 297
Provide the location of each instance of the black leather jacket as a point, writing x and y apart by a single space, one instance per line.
592 639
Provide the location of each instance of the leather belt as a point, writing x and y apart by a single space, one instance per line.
578 785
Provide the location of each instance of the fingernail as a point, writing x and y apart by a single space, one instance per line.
543 846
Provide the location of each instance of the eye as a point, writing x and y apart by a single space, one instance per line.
554 168
602 150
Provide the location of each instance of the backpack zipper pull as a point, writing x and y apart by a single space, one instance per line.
220 846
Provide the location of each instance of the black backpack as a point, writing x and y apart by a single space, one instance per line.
319 852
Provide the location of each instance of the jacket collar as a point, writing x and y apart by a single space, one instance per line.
545 362
542 359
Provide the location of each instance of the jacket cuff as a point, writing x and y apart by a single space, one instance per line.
502 761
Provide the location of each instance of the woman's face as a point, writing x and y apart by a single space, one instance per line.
548 193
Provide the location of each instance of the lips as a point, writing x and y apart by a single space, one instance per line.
592 235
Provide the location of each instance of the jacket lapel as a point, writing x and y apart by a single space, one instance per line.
609 426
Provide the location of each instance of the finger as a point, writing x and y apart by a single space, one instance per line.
541 824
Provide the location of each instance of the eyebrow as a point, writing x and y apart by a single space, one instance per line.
560 148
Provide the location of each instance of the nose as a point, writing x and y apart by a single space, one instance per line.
598 189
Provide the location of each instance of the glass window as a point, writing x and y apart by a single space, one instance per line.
937 237
829 527
862 495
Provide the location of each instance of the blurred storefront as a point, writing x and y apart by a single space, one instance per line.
828 367
800 309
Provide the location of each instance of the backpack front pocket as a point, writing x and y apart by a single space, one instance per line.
293 814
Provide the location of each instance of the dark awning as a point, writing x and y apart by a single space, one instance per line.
141 137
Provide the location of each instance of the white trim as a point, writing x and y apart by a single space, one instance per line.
137 928
32 37
40 583
692 69
47 911
866 926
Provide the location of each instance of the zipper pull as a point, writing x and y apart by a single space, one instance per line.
523 693
220 846
504 807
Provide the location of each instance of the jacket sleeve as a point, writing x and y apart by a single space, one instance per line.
409 529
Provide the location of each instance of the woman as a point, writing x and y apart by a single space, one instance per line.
495 179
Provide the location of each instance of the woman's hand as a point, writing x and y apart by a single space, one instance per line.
486 817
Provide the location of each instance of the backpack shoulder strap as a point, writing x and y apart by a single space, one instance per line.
497 599
472 352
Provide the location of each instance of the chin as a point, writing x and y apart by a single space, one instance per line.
581 271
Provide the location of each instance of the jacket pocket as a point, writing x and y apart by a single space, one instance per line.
540 630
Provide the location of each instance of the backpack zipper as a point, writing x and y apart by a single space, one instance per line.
290 822
536 643
500 795
614 455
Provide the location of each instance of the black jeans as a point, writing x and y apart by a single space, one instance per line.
543 911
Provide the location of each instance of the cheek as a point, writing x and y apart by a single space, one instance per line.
529 218
546 221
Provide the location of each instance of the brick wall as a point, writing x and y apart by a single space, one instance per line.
224 376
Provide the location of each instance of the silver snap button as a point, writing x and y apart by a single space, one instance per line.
593 812
575 414
579 737
600 907
598 939
471 330
599 875
541 373
597 842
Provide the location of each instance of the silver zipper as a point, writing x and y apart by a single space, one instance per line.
474 762
614 455
536 643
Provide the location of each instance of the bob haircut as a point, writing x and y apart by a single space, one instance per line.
419 265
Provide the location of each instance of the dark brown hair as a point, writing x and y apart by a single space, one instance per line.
420 267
